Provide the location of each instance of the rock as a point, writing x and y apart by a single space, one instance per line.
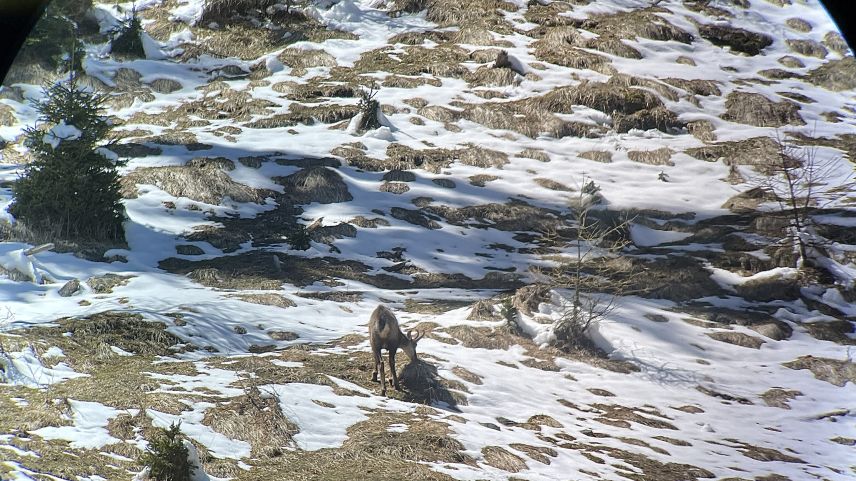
774 288
189 250
165 85
240 330
70 288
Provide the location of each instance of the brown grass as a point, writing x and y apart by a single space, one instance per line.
471 154
206 184
809 48
603 156
661 156
503 459
316 184
256 419
758 110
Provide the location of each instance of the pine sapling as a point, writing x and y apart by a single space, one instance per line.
167 456
369 108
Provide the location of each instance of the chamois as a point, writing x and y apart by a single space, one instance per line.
384 333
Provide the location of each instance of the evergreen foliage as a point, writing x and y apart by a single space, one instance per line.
167 456
55 43
369 107
127 40
299 238
71 188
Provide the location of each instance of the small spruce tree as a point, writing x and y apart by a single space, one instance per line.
167 456
71 188
369 107
127 40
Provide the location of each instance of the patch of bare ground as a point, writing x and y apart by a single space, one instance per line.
673 441
737 339
258 270
315 184
834 371
644 468
661 156
809 48
480 180
267 299
778 397
833 331
255 418
756 109
631 107
552 185
726 398
404 158
835 75
556 45
503 459
623 416
765 454
527 118
433 306
207 184
515 215
541 358
751 151
301 59
373 451
603 156
443 60
676 278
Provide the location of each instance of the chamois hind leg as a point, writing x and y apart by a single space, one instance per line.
377 360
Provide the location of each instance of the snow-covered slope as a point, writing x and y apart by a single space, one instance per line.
725 363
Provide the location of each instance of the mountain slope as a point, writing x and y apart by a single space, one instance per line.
720 360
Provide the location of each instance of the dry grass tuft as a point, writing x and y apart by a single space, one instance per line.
316 184
835 42
603 156
302 59
631 24
835 75
552 185
737 39
503 459
267 299
471 154
758 110
256 419
425 386
541 454
537 154
809 48
703 130
203 184
751 151
661 156
487 76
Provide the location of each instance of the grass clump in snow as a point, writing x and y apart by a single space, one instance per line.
758 110
256 419
207 184
167 456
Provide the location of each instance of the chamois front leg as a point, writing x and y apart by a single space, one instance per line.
393 373
382 376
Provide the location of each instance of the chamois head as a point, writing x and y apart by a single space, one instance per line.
408 342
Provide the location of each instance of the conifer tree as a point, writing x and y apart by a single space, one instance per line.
128 40
71 188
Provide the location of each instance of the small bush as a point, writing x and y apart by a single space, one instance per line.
167 456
